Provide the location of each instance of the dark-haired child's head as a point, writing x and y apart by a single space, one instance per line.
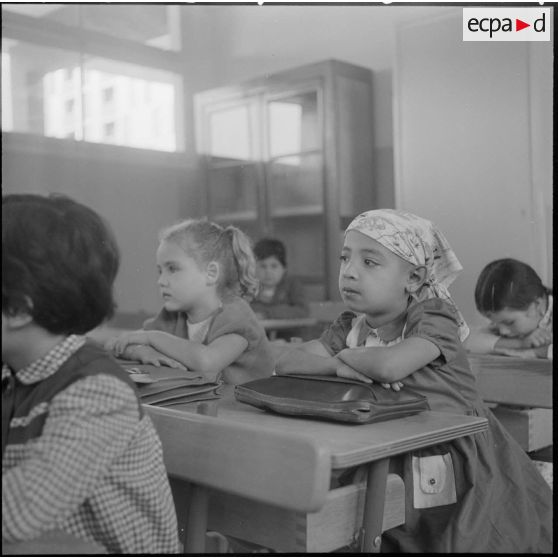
511 294
271 261
59 262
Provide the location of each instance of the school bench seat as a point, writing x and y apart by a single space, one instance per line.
336 525
261 486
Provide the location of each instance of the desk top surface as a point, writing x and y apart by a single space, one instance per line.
486 362
287 323
526 382
347 444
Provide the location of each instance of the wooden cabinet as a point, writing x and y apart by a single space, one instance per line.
289 155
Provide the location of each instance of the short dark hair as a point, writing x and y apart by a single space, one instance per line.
59 262
507 283
268 247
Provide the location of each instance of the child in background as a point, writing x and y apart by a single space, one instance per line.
79 455
511 295
477 494
280 295
205 324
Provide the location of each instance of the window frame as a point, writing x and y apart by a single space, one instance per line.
82 41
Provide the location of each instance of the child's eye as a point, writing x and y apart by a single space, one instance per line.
369 263
344 258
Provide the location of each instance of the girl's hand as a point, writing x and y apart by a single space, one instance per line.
345 371
148 355
538 338
118 345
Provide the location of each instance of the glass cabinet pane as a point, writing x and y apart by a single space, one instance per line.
295 185
229 132
293 124
230 149
233 192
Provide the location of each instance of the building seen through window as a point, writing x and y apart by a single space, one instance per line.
70 93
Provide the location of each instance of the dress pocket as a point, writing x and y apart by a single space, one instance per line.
433 481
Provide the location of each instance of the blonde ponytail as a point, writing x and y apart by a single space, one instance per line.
229 247
245 261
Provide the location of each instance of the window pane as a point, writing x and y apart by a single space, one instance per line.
54 93
30 76
130 105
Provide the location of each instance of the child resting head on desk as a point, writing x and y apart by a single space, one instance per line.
512 296
205 273
479 493
79 456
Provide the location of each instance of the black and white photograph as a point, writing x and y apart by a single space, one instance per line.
277 278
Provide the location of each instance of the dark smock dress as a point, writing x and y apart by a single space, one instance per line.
477 494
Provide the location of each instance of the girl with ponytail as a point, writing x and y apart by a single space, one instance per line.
206 278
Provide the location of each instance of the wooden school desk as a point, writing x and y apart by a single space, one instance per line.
53 543
513 381
273 326
521 389
269 475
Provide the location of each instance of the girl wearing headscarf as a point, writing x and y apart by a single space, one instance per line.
477 494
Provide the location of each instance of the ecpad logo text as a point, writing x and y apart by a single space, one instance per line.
506 24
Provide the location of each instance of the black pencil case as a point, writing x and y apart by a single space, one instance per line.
331 398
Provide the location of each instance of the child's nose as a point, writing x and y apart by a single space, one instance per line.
348 270
161 280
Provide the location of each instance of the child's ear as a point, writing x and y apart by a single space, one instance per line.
213 272
416 279
17 321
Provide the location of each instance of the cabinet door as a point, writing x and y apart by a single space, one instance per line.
232 160
294 176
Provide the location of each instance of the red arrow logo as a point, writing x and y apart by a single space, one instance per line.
519 25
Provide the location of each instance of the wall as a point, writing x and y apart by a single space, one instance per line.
138 192
473 144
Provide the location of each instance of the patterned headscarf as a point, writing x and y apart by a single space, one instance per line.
420 242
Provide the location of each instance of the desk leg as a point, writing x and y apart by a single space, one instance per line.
373 519
196 524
